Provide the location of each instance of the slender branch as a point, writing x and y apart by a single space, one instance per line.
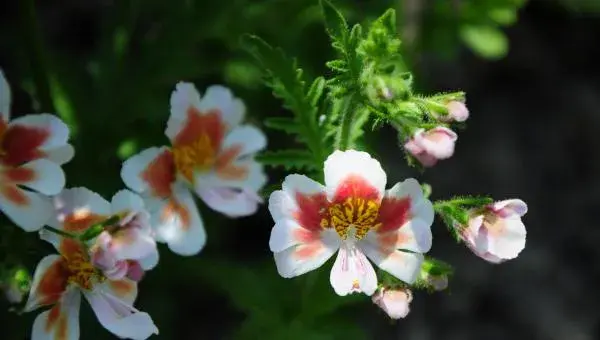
31 29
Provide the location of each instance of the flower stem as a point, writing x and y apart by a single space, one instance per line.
31 29
60 232
343 139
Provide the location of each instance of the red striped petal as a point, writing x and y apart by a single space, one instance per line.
355 187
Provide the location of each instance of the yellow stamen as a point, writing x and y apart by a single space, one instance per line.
83 273
354 213
198 155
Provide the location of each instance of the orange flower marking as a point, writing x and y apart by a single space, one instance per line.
10 178
197 144
82 272
20 144
122 288
53 283
160 173
225 166
175 210
57 320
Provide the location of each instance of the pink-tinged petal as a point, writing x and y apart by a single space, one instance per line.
221 98
510 207
394 302
49 282
438 142
60 155
352 273
119 317
300 199
61 322
132 244
135 271
29 210
419 153
245 174
247 138
414 236
177 222
124 289
302 258
288 233
152 170
508 242
402 204
49 178
116 272
457 111
4 98
403 265
353 174
28 137
231 202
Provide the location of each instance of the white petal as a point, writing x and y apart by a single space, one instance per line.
414 236
150 261
219 97
134 167
177 222
403 265
61 155
183 97
4 98
232 203
59 131
303 258
511 241
126 201
78 202
288 233
254 179
49 272
283 203
344 166
510 207
60 322
421 207
119 317
352 273
248 138
32 215
49 178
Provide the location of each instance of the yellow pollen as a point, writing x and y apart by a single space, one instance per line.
83 273
198 155
357 213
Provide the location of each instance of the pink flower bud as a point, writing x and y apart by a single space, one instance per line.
430 146
457 111
496 233
395 302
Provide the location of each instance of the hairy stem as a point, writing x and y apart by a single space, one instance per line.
343 137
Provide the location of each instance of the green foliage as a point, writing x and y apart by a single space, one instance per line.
287 82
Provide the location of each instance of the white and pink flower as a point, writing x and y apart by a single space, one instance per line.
354 216
394 302
432 145
496 232
126 248
60 280
32 149
457 111
212 154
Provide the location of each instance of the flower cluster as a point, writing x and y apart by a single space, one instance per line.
104 248
380 234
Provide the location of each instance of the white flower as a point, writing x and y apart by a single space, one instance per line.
354 216
496 233
32 149
394 302
60 280
432 145
211 154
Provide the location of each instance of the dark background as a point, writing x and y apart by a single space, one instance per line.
532 134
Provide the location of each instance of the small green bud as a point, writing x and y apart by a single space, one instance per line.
92 232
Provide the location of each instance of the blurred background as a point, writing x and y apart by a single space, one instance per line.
530 71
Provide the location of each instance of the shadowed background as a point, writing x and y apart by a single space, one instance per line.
533 88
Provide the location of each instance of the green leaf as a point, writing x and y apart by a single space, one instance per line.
489 42
315 92
285 124
289 159
388 20
335 23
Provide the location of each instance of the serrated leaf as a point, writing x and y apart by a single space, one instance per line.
388 20
289 159
288 125
315 91
356 34
337 65
335 23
